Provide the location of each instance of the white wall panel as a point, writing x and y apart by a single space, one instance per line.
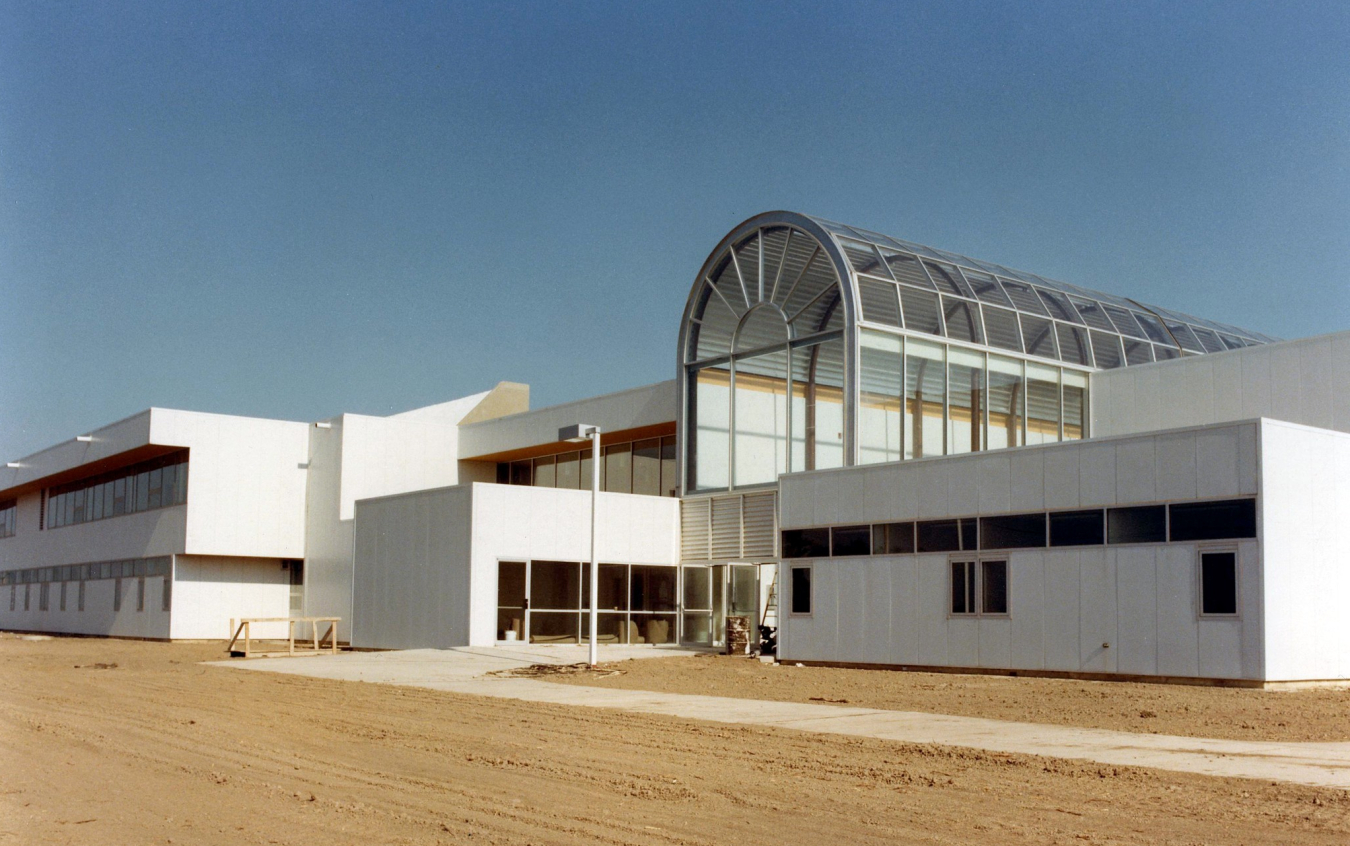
1061 477
877 612
1176 466
933 603
1097 640
210 590
963 642
1219 648
1304 501
1028 603
1062 615
995 484
1136 643
930 480
963 487
1226 371
904 602
851 602
1217 459
1028 479
1177 644
1096 474
1136 470
995 642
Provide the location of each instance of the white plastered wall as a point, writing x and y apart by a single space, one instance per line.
426 562
1305 502
631 409
360 457
246 482
1297 381
1064 603
210 590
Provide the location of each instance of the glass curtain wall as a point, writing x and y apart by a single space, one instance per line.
1007 396
965 401
958 400
760 413
881 379
764 354
925 398
548 602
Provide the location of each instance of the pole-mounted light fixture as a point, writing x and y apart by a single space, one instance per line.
580 433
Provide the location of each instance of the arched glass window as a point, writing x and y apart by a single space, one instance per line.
764 357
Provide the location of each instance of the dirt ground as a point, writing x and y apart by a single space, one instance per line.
112 742
1321 714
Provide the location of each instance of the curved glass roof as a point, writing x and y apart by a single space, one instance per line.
936 292
774 284
780 276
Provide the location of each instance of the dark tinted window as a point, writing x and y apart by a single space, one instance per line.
970 534
801 590
806 543
1012 531
1234 518
1218 583
939 536
893 538
851 540
1141 524
994 587
963 587
1077 528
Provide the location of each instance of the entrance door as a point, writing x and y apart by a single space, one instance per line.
735 593
511 602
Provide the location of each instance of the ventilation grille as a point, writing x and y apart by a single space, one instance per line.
758 530
694 529
725 528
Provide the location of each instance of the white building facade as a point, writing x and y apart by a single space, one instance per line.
891 454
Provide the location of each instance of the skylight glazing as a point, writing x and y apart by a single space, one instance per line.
921 289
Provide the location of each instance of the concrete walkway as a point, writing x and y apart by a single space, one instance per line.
462 671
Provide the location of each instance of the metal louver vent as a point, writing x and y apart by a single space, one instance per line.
694 529
726 527
758 513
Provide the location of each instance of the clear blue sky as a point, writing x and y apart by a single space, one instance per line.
294 210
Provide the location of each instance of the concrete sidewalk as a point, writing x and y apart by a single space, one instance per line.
462 671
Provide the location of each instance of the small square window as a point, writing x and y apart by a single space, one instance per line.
1218 583
801 590
993 587
979 588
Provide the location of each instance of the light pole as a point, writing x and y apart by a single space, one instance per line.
579 433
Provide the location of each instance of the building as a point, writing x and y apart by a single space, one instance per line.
897 455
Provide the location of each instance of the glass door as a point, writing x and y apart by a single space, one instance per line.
719 605
743 595
511 604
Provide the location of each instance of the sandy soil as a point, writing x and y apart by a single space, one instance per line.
1231 713
159 749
